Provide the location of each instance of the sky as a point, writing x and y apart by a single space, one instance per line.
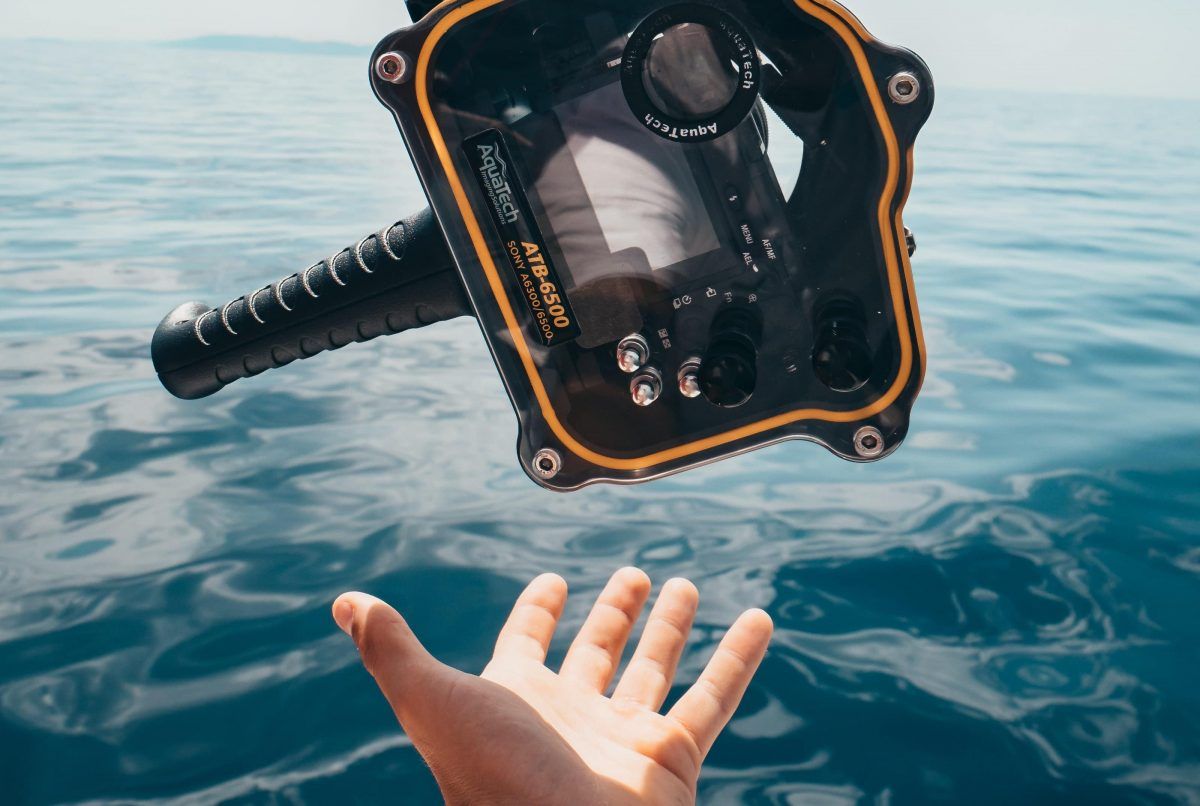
1107 47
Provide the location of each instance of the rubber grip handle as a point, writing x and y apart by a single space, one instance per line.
399 279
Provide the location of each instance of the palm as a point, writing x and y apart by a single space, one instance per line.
523 733
631 746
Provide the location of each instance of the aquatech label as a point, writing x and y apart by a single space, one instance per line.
538 281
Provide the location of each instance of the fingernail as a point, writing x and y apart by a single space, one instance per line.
343 614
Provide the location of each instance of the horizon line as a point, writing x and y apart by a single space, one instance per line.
342 48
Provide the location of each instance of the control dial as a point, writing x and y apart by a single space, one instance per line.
729 370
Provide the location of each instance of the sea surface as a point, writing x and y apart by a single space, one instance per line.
1007 611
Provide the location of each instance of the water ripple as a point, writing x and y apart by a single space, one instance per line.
1002 612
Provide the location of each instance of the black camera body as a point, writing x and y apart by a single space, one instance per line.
654 297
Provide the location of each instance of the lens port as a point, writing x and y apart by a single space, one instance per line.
690 72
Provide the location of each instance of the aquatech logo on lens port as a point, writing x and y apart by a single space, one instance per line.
494 171
706 131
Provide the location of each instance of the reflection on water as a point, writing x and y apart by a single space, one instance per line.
1004 611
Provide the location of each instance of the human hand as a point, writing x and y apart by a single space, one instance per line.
521 733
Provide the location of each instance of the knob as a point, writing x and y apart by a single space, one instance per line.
729 371
842 357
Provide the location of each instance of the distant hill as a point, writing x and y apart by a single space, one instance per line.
268 44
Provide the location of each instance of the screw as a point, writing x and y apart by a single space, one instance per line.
392 67
547 463
869 443
904 88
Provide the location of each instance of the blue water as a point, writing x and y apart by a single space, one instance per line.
1006 611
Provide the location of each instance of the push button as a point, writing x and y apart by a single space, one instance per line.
647 387
632 353
689 379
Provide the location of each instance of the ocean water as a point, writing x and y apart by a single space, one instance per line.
1005 611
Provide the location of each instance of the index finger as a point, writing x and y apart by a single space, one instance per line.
707 707
530 626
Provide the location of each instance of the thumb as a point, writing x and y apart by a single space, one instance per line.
405 672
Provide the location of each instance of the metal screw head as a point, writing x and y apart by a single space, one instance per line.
632 353
869 443
392 67
904 88
547 463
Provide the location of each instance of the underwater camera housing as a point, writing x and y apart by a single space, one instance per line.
654 296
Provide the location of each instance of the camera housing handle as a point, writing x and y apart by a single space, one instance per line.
399 279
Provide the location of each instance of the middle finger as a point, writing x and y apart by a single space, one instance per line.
596 652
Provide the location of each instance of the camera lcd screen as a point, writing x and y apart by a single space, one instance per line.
640 187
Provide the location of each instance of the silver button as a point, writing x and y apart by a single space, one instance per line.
632 353
647 387
689 379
